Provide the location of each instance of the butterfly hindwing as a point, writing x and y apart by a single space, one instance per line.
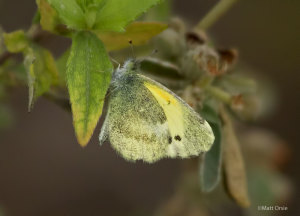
190 134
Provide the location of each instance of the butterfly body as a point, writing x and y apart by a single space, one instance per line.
146 121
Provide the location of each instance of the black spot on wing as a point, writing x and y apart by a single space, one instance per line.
177 137
170 140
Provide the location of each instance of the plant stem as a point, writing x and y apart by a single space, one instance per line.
219 93
215 13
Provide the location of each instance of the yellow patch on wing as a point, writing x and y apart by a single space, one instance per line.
163 97
173 111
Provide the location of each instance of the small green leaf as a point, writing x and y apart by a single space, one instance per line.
41 72
88 77
90 9
116 14
70 13
15 41
36 18
211 164
48 16
138 32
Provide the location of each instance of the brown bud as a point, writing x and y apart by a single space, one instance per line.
228 55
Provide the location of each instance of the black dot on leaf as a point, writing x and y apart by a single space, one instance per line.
170 140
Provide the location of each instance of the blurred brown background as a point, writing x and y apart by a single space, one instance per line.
43 171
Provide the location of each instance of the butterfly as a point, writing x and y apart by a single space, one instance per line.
147 121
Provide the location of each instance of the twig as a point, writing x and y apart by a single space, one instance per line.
215 13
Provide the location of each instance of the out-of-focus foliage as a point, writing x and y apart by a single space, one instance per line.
137 32
49 19
234 168
16 41
41 72
39 64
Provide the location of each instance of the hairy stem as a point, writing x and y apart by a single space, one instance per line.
215 13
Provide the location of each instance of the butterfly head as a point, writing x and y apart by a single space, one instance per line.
131 66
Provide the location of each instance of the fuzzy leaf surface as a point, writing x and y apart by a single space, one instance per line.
88 77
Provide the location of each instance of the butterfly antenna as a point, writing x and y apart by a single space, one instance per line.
150 55
132 50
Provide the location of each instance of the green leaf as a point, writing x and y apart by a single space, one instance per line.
211 164
138 32
210 115
70 13
15 41
41 72
116 14
48 16
88 77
